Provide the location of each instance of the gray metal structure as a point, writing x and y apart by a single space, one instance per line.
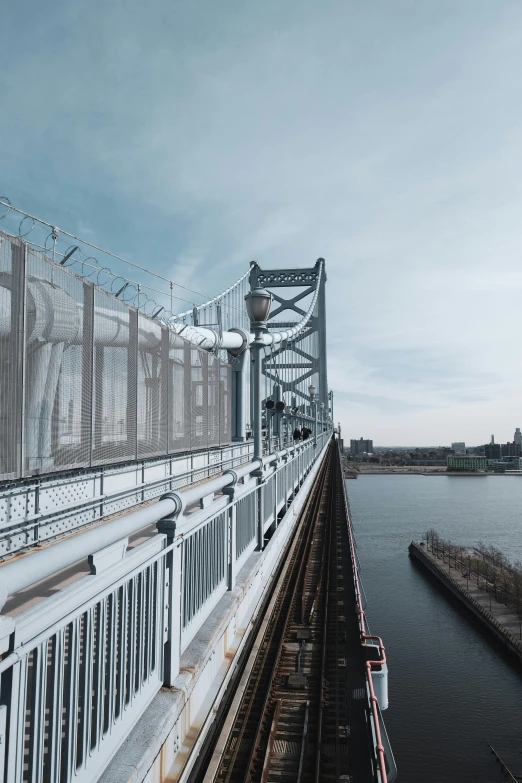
88 380
142 423
295 364
82 665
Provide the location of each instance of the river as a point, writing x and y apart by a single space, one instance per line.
451 687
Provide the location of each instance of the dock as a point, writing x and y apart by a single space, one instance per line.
500 620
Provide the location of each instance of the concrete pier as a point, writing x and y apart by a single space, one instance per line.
498 618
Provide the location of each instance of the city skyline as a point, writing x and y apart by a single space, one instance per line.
517 438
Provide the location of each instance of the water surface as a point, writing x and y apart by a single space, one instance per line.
451 688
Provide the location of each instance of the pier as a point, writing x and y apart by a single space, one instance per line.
500 620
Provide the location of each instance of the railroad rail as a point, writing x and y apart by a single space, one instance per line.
304 709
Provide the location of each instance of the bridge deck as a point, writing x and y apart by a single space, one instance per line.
301 711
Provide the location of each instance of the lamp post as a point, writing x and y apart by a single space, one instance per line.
312 390
322 417
257 303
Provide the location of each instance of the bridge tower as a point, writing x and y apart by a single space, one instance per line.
294 365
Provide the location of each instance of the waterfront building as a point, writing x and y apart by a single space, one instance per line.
459 447
517 437
512 463
466 462
497 465
361 446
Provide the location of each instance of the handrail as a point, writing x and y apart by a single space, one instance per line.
16 575
147 587
379 747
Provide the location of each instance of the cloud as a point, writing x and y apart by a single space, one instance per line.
383 137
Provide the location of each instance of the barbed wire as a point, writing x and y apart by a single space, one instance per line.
126 289
55 232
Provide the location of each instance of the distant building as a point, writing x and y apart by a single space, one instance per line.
517 437
466 462
361 446
505 464
459 447
492 451
512 463
510 449
497 466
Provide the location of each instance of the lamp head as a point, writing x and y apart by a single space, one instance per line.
312 389
258 303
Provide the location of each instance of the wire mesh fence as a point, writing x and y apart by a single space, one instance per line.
135 284
88 380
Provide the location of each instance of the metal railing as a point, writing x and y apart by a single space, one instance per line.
44 508
375 714
81 666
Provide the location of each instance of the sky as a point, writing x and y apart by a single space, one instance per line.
384 136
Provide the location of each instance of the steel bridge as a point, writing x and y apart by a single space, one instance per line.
158 475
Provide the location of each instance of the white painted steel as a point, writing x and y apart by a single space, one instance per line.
44 508
85 663
88 661
210 339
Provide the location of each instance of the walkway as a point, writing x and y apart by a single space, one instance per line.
505 615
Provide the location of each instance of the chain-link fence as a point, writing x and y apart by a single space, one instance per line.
88 380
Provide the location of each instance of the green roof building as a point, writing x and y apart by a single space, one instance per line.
466 462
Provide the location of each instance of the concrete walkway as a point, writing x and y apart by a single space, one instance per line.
505 615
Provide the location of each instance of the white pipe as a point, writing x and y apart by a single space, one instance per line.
233 341
58 318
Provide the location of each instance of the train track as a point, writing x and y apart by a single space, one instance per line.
300 712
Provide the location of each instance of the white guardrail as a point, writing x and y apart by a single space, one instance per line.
79 668
40 509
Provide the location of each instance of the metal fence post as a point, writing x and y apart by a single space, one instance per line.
173 614
230 491
19 321
258 474
88 376
16 720
232 537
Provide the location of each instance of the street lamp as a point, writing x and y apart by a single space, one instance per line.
322 417
257 303
312 390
